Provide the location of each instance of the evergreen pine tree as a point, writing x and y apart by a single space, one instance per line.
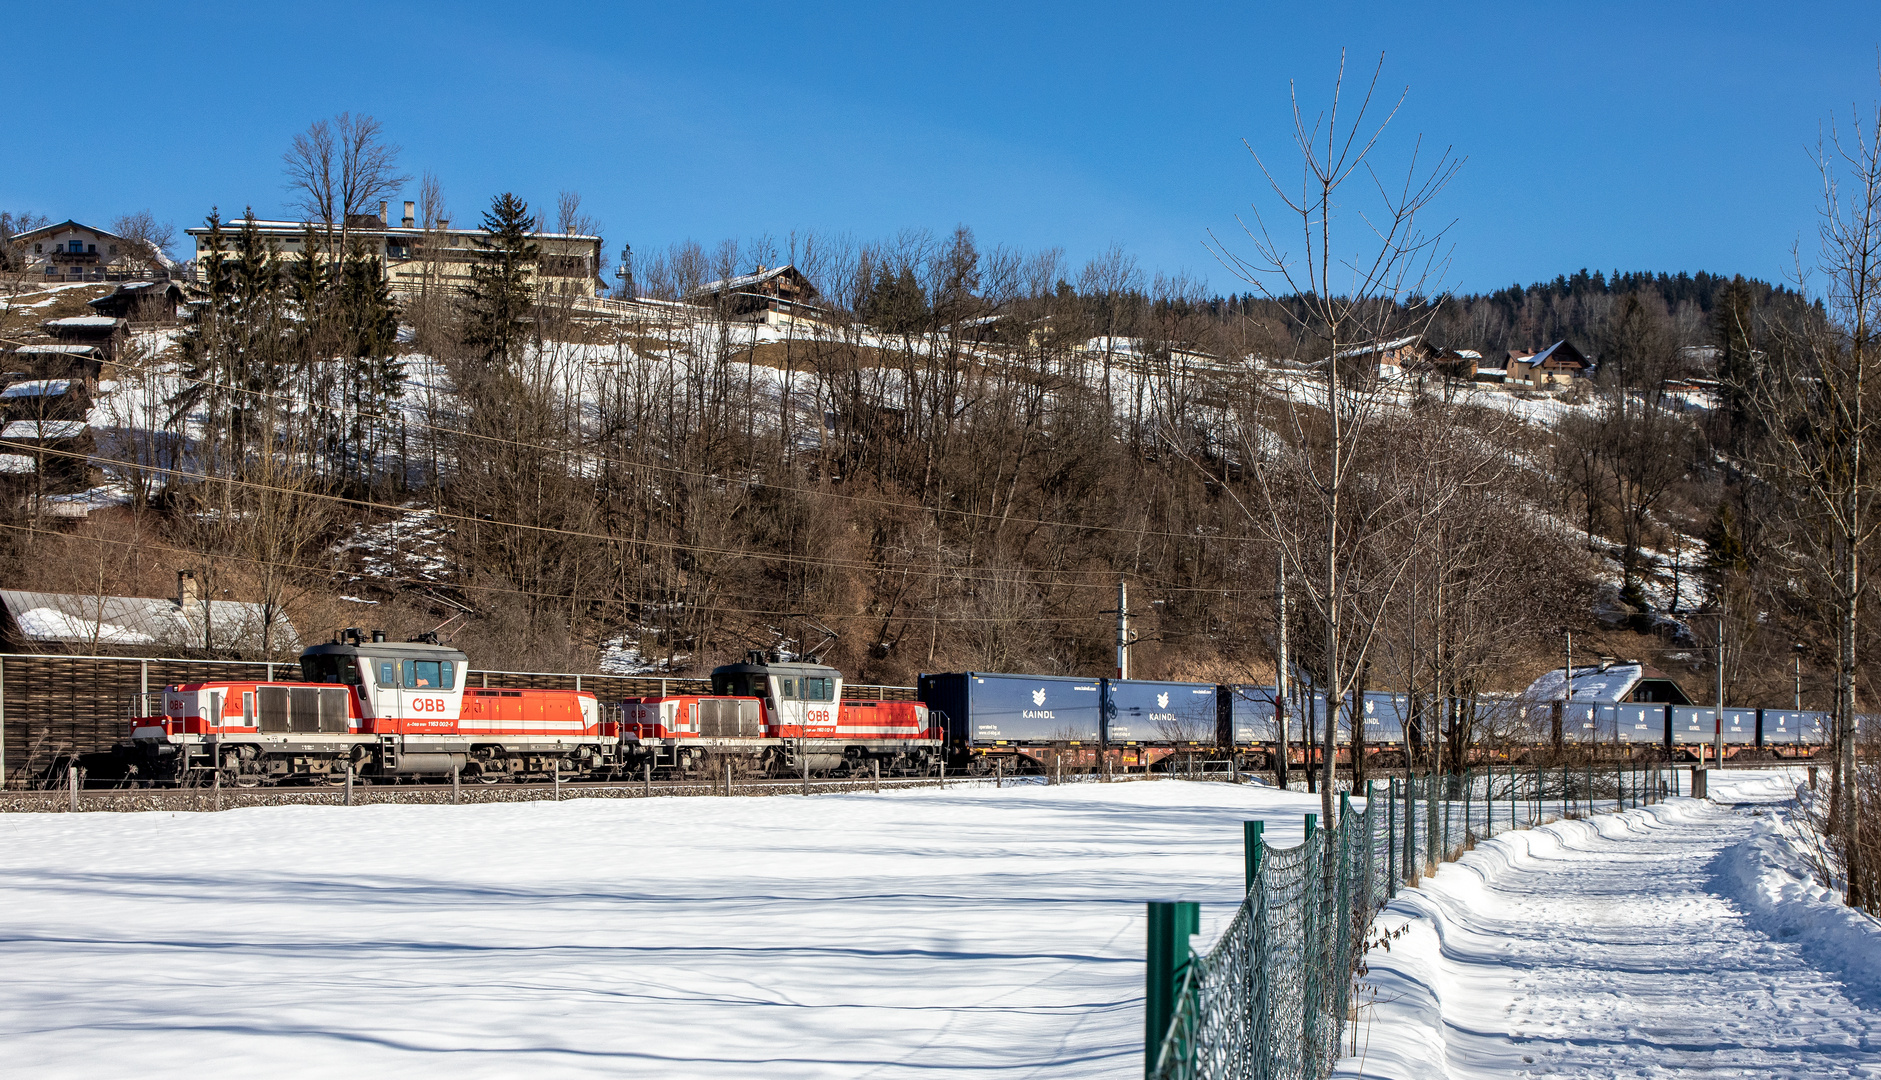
501 293
1737 367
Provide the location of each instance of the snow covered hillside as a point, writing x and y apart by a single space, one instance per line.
1682 939
971 932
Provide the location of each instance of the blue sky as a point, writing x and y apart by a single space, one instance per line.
1657 136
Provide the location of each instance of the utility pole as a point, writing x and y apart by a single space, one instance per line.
1567 694
1798 649
1717 747
1280 682
1124 638
1567 674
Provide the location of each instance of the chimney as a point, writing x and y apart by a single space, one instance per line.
383 212
444 223
186 597
410 219
378 636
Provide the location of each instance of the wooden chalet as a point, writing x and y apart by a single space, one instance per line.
142 301
773 295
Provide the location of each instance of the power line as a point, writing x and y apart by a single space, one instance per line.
689 473
509 591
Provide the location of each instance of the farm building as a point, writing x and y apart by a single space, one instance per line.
142 301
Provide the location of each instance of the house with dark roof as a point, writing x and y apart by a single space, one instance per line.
1556 365
142 301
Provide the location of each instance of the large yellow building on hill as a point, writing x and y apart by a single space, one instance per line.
415 258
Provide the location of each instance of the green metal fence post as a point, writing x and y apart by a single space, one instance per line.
1251 851
1391 838
1512 775
1312 826
1469 803
1167 957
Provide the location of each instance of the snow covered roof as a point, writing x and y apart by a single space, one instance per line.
43 429
86 322
1469 354
36 388
18 464
742 281
82 619
56 350
1382 346
1601 684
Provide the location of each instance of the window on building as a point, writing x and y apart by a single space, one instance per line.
94 248
39 249
76 247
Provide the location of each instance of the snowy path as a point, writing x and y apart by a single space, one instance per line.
915 933
1628 945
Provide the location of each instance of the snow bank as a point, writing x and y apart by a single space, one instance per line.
1770 875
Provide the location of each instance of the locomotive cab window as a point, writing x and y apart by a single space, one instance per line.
427 674
819 689
388 673
788 689
741 685
329 669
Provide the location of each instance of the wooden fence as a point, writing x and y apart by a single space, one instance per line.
53 706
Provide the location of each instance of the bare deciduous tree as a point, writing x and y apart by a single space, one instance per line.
150 239
339 169
1820 414
1355 267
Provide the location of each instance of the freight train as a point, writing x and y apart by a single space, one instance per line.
1029 723
389 711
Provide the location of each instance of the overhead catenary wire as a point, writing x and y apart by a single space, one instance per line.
431 583
582 534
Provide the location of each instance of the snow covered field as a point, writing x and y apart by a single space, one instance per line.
1683 939
910 933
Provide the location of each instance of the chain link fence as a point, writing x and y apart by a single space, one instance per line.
1276 993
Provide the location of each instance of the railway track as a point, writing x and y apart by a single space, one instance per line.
123 800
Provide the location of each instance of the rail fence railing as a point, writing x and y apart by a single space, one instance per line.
1272 997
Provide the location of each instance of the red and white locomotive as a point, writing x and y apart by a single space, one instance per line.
385 709
396 710
778 719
